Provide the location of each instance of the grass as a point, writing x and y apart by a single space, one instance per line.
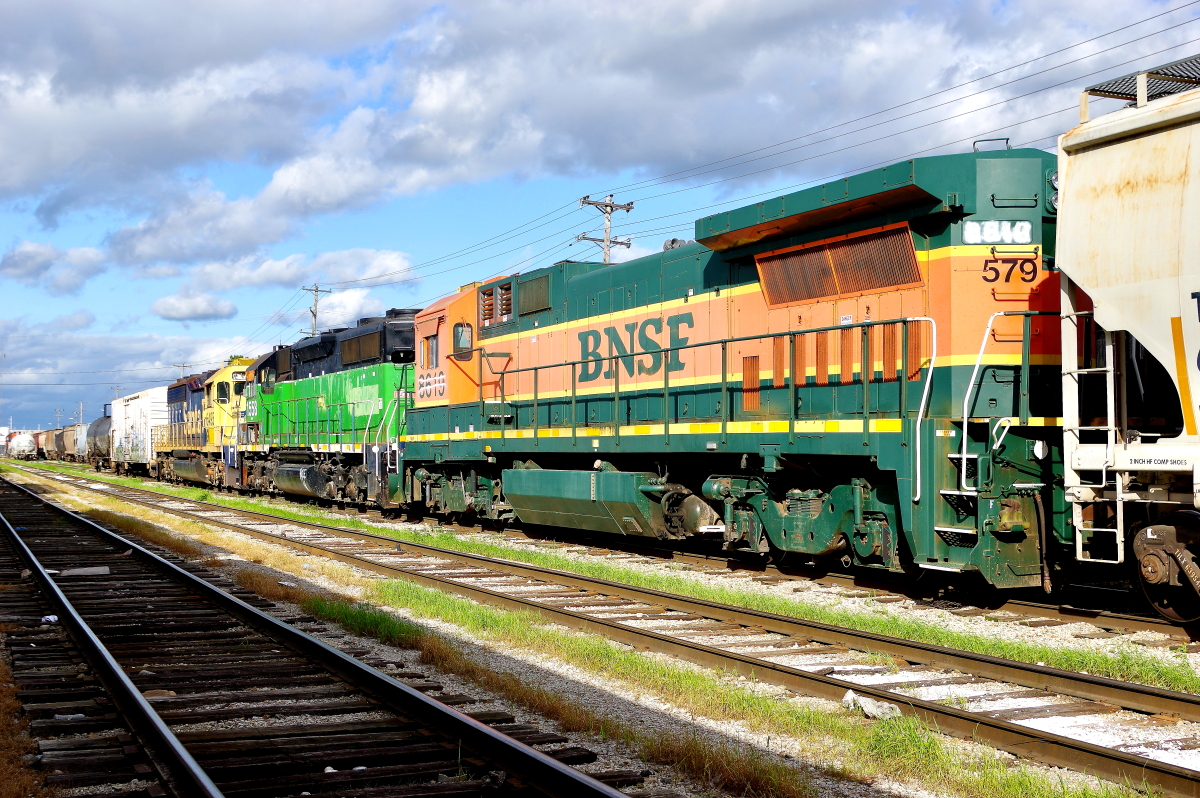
1129 663
17 780
744 771
901 748
153 533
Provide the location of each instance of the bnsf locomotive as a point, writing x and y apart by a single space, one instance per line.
975 364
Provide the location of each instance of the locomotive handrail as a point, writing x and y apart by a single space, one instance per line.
970 392
664 352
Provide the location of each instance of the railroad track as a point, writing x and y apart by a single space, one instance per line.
152 680
958 602
1007 704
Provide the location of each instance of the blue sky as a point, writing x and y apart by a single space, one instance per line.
172 174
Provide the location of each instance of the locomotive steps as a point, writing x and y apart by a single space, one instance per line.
997 701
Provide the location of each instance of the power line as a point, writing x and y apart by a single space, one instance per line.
662 178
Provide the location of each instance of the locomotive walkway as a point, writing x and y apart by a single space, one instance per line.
145 656
1005 696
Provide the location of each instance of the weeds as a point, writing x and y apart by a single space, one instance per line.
17 779
147 531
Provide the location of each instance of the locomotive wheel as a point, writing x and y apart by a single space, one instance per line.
1178 604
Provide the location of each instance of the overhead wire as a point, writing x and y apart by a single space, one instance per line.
940 92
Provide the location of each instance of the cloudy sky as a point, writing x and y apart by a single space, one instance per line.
172 173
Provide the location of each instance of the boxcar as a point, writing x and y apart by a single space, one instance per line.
134 418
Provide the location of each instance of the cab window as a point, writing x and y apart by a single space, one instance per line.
462 341
239 388
223 393
429 352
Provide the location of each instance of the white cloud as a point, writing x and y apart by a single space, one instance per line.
193 307
57 271
72 322
366 267
288 272
482 90
343 308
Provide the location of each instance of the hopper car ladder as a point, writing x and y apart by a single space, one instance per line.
1079 492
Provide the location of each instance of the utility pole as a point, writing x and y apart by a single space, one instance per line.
606 207
316 291
116 389
81 404
181 367
58 411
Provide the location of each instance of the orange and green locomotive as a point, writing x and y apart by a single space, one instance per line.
798 380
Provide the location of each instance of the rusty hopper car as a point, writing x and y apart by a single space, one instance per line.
75 443
60 445
793 383
42 439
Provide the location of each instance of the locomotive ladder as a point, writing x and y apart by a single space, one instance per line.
1079 493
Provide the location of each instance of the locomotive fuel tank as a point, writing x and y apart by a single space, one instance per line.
189 465
304 479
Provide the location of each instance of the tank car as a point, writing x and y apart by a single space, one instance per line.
22 446
134 417
98 441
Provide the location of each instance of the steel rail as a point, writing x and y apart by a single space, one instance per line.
534 767
182 770
1044 747
1062 612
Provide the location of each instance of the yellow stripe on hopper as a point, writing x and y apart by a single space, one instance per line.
1181 371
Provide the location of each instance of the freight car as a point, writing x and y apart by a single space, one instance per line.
21 446
134 418
43 440
1130 371
75 443
60 445
98 441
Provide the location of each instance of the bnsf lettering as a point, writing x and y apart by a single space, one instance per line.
624 345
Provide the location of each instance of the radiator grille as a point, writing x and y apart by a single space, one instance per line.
844 267
750 378
778 361
822 358
534 295
851 341
364 347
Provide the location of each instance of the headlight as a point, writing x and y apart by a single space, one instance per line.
1054 180
1054 201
